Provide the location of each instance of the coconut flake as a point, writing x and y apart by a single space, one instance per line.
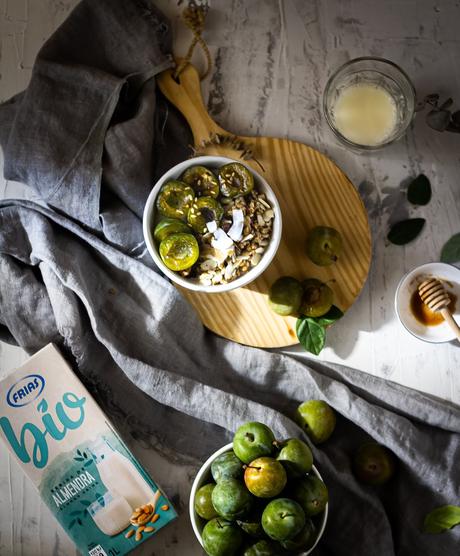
212 226
236 230
221 240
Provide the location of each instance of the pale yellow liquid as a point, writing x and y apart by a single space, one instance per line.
365 114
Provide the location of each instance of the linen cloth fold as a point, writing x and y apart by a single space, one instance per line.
87 136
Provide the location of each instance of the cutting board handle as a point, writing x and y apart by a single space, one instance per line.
185 93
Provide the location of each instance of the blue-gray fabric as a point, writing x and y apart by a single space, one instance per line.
90 134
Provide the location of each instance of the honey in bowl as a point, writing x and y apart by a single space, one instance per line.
426 316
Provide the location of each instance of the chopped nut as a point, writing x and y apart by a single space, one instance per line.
263 201
256 259
208 264
220 267
216 278
229 271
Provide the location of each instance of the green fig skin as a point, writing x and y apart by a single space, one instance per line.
317 419
324 245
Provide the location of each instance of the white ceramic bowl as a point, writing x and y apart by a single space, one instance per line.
191 284
409 283
204 476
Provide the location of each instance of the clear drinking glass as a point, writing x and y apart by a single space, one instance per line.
387 83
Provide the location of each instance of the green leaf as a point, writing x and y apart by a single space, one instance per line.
451 251
311 335
441 519
330 317
405 231
419 191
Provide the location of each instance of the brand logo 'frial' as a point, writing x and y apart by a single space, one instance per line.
25 391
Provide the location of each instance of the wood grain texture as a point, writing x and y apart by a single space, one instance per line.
312 191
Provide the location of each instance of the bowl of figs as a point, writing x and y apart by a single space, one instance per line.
212 224
259 496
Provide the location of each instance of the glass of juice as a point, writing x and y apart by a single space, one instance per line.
369 103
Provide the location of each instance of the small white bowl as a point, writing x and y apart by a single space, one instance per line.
191 284
204 476
450 275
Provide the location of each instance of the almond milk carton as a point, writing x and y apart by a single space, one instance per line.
85 474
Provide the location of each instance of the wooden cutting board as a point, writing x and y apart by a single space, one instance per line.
311 190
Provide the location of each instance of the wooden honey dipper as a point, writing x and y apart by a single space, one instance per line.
437 299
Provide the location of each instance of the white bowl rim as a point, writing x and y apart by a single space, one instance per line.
423 267
197 483
246 278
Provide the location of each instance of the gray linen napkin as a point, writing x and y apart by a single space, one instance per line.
71 273
92 99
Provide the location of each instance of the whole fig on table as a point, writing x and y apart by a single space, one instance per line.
317 419
373 464
285 296
324 245
317 298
